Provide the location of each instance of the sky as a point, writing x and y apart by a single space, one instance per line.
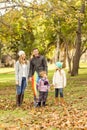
9 3
2 11
4 4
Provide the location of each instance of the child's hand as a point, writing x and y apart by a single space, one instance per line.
17 82
49 90
52 85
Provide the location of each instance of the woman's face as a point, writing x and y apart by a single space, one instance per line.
23 56
57 68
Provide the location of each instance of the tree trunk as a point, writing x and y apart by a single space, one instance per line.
69 64
57 50
77 55
0 53
64 60
68 58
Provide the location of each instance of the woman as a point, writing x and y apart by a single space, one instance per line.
21 73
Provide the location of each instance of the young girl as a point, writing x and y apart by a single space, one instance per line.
43 87
59 82
21 73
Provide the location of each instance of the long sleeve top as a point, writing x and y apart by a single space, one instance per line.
43 85
59 79
37 64
21 71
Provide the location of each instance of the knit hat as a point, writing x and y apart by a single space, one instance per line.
59 64
21 53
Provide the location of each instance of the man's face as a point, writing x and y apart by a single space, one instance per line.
35 52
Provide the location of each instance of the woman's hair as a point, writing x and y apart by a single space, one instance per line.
22 61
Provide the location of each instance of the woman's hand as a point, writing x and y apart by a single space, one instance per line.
30 79
17 82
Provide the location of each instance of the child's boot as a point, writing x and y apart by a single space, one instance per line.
62 101
39 104
43 104
56 101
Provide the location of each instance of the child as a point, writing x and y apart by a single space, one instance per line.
43 87
59 82
21 73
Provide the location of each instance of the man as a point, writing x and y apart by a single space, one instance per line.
38 63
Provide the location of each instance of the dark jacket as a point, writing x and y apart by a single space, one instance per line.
37 64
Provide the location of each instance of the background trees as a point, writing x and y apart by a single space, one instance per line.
57 28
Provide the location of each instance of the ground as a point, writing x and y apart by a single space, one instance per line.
72 116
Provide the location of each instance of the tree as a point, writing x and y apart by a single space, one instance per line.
78 42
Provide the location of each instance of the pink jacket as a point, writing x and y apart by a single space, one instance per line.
43 85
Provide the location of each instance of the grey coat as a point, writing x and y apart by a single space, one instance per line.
19 72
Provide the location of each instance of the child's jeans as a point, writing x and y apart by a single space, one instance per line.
58 91
21 89
43 96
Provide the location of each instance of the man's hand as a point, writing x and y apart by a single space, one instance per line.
30 79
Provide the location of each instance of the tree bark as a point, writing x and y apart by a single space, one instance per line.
68 58
64 60
76 58
0 53
57 50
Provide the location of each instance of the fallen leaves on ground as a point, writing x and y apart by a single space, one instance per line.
52 117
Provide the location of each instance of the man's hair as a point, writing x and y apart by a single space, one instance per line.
35 49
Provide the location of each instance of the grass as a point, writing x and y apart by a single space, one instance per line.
51 117
6 70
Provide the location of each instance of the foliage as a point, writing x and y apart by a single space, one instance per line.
43 24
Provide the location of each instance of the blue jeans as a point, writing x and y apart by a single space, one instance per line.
21 89
58 91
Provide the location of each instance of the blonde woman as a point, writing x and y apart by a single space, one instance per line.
21 73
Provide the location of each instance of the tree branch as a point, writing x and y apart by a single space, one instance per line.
83 51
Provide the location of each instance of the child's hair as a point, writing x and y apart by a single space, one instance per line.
42 73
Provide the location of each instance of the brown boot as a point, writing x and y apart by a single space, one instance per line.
18 100
21 98
62 101
56 101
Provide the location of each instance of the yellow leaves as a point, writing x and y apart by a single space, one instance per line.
59 12
78 3
80 15
1 126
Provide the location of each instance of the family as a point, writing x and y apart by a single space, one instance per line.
24 71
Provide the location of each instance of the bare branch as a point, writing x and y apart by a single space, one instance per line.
84 51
